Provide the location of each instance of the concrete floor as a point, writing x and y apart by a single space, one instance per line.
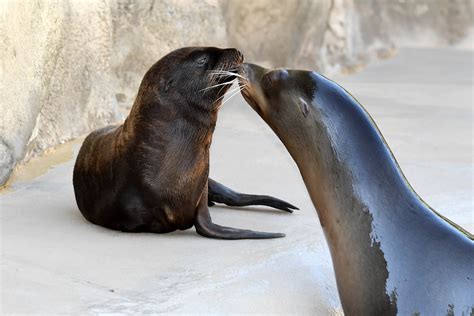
53 261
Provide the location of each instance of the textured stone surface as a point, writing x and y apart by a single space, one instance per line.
277 34
65 64
71 66
55 75
416 22
144 31
341 35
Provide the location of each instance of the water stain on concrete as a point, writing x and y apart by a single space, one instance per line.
38 166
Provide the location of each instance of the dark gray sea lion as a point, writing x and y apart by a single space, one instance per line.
392 253
150 174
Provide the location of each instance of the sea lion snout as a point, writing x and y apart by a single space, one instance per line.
252 72
250 82
259 85
239 56
231 57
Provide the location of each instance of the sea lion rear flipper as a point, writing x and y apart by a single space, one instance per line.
205 227
219 193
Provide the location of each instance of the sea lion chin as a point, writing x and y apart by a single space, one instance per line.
150 174
391 252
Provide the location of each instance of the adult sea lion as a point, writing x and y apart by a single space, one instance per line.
150 174
392 254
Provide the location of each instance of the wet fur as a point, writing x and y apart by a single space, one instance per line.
149 173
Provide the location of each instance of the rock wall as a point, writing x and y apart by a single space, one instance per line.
145 30
71 66
341 35
55 68
67 65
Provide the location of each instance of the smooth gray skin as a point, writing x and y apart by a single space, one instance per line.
391 252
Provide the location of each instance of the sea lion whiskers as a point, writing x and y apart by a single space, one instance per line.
233 93
219 84
242 85
216 74
221 73
229 92
228 73
222 97
213 77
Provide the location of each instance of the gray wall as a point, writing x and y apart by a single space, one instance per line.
71 66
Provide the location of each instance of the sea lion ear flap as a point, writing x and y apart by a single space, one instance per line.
166 84
303 107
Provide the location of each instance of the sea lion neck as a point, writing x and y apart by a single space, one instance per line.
352 154
155 119
355 184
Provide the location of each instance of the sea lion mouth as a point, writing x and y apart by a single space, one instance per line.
247 97
248 86
225 71
229 65
222 76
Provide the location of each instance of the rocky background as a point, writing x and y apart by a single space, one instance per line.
70 66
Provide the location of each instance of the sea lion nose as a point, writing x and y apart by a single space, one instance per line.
240 56
235 53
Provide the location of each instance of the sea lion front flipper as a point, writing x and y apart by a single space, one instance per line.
205 227
219 193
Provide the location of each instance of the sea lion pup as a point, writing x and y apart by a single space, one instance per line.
392 254
151 173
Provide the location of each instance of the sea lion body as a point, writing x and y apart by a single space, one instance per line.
392 254
150 174
126 200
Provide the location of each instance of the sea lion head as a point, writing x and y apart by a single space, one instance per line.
304 108
283 98
186 75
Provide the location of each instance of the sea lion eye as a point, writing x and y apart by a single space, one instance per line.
202 61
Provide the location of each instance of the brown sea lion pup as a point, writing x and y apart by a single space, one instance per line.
392 254
150 174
